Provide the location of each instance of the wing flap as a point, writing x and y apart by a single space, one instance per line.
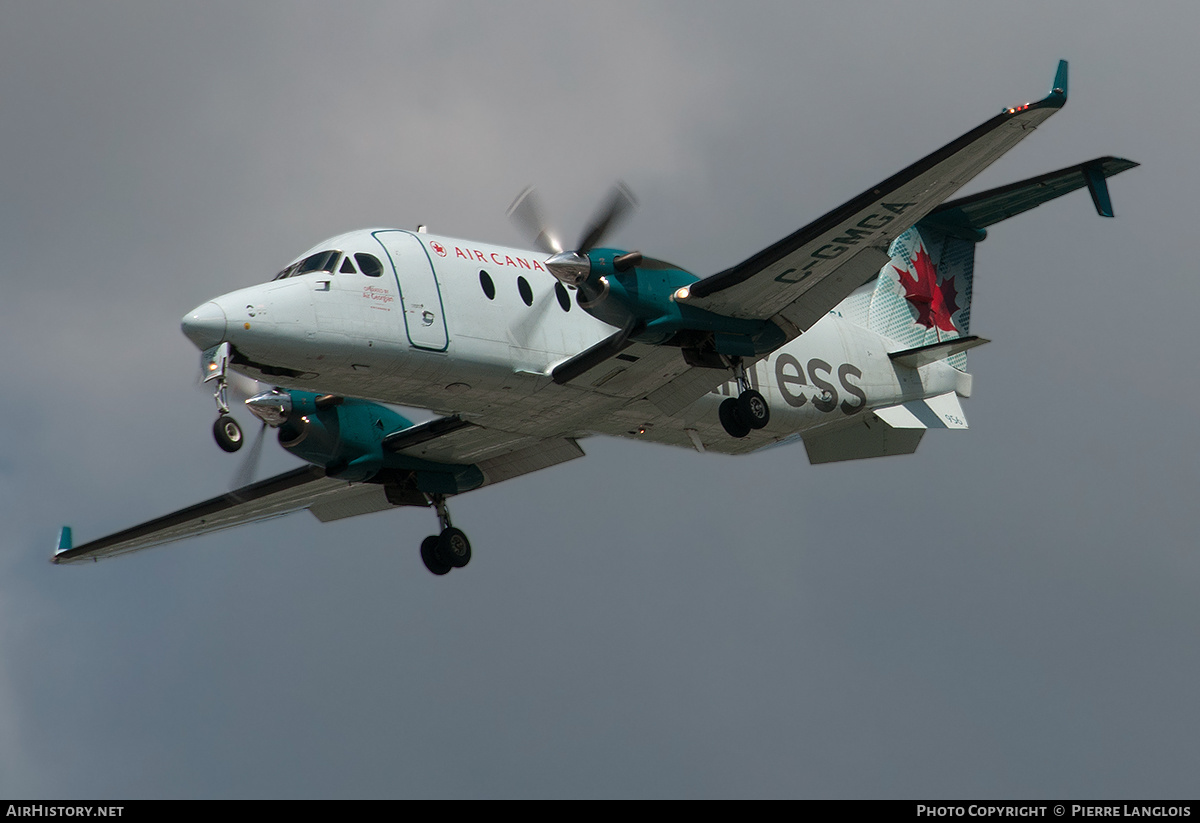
533 458
363 499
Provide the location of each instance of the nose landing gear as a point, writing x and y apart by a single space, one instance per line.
749 410
226 430
448 550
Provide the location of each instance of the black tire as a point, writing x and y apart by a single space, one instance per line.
752 408
454 548
429 554
731 420
228 433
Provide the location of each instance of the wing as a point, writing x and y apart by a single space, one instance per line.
796 281
282 494
498 455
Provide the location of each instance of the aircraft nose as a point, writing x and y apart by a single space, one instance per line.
205 325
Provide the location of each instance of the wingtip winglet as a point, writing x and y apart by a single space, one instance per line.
1056 99
64 542
1058 91
1098 189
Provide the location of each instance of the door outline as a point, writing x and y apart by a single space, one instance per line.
420 279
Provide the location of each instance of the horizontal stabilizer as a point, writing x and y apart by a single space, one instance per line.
924 355
865 439
941 412
967 216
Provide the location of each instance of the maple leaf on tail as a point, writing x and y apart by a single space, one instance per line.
935 304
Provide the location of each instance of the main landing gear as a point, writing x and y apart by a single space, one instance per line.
749 410
448 550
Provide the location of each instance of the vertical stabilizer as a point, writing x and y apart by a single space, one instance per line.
923 295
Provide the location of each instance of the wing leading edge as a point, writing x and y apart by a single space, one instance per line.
282 494
498 456
797 280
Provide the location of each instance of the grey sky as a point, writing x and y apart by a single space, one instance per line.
1010 612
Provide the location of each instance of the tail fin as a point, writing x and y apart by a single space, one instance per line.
923 296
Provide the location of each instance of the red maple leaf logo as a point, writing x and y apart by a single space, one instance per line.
934 304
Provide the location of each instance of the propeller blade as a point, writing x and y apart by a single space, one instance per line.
620 204
249 468
241 385
526 213
524 328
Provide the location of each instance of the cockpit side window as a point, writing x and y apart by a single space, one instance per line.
348 266
321 261
369 264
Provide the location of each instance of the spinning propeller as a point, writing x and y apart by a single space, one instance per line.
573 267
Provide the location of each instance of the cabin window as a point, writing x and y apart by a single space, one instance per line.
369 264
526 292
564 299
348 266
485 283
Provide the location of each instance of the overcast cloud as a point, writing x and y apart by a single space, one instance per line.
1010 612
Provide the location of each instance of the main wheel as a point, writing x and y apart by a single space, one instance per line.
454 548
429 554
228 433
753 409
732 420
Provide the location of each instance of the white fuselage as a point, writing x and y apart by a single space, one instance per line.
470 328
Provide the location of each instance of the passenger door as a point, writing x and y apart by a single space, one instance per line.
420 297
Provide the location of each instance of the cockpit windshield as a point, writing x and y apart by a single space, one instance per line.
321 261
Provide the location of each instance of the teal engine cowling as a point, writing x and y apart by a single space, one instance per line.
641 294
349 438
646 299
344 435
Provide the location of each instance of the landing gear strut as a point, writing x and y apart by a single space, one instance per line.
448 550
226 430
749 410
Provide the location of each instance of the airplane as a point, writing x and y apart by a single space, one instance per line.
849 335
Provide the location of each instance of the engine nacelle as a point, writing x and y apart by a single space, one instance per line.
344 435
628 290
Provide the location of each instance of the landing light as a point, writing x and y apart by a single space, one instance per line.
683 293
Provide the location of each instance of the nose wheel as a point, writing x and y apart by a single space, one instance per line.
749 410
228 433
448 550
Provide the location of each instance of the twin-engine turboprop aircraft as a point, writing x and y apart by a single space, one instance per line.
849 335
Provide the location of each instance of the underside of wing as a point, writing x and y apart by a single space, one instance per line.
298 489
498 454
